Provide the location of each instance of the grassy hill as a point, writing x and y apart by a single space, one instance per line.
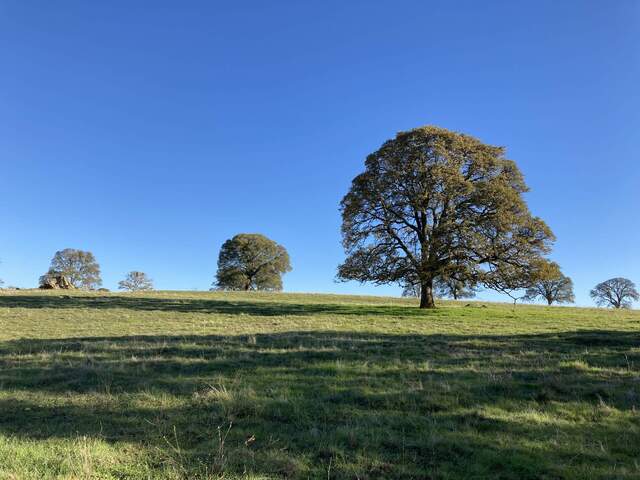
184 385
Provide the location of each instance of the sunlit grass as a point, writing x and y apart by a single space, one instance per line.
182 385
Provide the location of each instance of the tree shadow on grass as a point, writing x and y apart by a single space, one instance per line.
211 306
177 364
381 406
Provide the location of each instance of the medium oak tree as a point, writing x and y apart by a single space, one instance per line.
251 261
78 266
616 292
435 203
551 285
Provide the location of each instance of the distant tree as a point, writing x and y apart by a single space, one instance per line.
410 289
551 285
78 266
443 288
434 203
616 292
251 261
452 288
136 281
513 281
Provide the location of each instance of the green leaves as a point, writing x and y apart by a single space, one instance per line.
80 267
551 285
433 203
135 282
251 261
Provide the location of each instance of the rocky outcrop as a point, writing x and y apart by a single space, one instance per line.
55 282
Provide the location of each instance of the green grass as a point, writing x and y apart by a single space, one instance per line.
183 385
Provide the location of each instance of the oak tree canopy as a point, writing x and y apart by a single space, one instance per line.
135 282
250 261
551 285
78 266
435 203
616 292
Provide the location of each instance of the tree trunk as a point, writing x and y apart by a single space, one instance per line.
426 294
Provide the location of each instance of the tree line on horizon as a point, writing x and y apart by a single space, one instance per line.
253 262
435 211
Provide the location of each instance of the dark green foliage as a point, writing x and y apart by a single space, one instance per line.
251 261
136 281
78 266
616 292
434 203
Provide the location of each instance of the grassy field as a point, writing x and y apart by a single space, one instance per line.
184 385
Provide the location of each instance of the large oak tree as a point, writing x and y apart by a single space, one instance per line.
435 203
251 261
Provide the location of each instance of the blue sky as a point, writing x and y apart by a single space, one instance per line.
149 133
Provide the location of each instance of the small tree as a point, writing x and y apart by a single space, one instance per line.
616 292
443 288
78 266
251 261
551 285
136 281
452 288
511 280
435 203
410 289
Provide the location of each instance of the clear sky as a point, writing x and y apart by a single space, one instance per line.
150 132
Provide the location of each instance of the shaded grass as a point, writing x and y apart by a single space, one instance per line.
202 385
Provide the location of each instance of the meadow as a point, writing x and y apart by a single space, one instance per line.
195 385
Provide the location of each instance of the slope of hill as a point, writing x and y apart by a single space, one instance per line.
184 385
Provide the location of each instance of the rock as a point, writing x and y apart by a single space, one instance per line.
48 284
63 282
55 282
